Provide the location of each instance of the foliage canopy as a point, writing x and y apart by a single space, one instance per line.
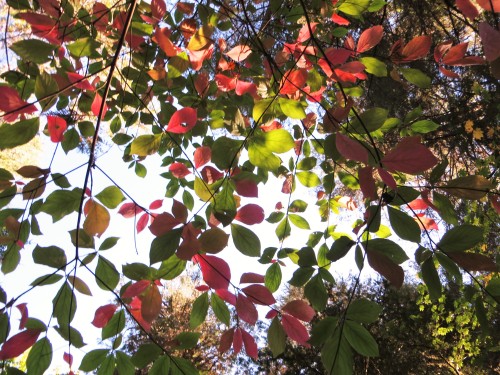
387 110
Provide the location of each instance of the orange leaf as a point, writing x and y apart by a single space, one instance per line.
97 220
96 106
162 37
151 303
13 105
292 81
370 38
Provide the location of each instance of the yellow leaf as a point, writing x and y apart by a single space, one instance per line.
477 134
469 126
97 220
157 74
201 39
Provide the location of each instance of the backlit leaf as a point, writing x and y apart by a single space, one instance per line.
461 238
245 240
97 220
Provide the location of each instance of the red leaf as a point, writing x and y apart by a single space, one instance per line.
250 345
103 314
18 344
82 82
239 53
472 261
426 223
417 48
237 340
215 271
467 8
271 314
226 340
225 83
455 53
490 5
202 155
136 288
179 170
246 310
367 183
305 32
128 210
387 178
151 303
227 296
259 294
23 309
100 13
210 174
448 73
56 126
182 121
12 104
495 203
339 20
490 38
68 358
202 288
96 106
300 309
351 149
409 156
186 8
418 204
156 204
190 244
292 81
196 58
201 84
250 214
295 329
179 211
163 223
386 267
244 87
251 277
135 309
370 38
158 9
247 188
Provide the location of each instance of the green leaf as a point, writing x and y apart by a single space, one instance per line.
70 334
307 257
374 66
417 77
431 279
299 221
46 280
340 248
315 292
108 243
111 197
115 325
60 180
292 108
308 179
93 359
160 366
262 109
354 7
272 279
124 365
19 133
83 47
187 340
107 366
64 305
171 268
225 152
342 363
199 311
283 229
164 247
34 50
461 238
106 275
245 240
278 140
363 311
424 126
370 120
146 144
276 337
181 366
360 339
445 208
10 259
61 203
220 309
39 357
46 86
51 256
388 248
405 227
472 187
146 354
